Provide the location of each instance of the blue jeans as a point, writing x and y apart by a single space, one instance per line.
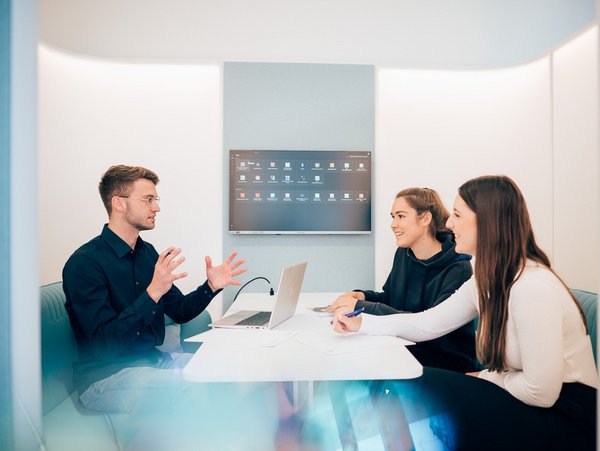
142 388
155 408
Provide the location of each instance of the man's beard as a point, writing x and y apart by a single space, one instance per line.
139 225
142 227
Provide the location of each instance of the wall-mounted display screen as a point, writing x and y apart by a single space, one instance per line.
299 191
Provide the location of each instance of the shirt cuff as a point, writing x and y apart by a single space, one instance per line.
146 307
365 294
369 324
207 291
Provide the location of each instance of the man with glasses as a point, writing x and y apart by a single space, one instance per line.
118 289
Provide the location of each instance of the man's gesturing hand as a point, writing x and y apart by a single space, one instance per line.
163 277
223 275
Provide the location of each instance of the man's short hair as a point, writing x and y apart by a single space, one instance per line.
118 181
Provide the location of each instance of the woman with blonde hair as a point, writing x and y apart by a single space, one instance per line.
425 272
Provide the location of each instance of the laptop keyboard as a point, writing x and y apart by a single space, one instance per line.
258 319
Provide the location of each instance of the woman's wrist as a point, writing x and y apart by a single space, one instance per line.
358 295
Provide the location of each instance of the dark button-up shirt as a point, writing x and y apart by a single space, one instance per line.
115 321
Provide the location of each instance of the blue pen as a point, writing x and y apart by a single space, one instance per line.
353 314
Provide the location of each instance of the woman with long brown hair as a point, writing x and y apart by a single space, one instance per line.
538 390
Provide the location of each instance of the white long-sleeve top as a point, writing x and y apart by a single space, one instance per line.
546 343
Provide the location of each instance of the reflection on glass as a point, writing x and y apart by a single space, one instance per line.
340 415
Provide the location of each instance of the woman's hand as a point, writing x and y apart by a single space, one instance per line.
346 301
342 324
474 374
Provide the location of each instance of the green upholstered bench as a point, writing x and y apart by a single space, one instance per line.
589 304
66 424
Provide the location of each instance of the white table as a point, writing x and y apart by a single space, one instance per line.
298 363
293 360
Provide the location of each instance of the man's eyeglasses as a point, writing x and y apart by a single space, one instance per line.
150 200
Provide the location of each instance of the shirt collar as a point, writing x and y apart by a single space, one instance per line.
119 247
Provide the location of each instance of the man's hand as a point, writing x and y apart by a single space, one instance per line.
346 301
223 275
163 277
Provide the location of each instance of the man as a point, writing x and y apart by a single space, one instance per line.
118 289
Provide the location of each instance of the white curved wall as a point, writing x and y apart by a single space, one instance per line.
426 34
575 76
537 123
96 113
438 129
433 128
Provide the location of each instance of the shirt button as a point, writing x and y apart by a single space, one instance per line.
137 333
153 312
137 283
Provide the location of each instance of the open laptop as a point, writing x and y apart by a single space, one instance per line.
284 307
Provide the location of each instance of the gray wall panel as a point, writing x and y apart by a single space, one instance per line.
307 107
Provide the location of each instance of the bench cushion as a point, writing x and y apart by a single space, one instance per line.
589 304
59 348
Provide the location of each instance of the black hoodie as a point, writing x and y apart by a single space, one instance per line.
415 285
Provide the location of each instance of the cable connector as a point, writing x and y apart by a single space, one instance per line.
271 292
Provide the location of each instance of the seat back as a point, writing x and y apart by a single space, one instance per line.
194 327
59 347
589 304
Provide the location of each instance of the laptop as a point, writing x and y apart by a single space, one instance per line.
284 306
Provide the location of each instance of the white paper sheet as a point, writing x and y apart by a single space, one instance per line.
333 343
243 337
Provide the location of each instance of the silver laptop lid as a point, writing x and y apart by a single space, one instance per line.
288 293
284 305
